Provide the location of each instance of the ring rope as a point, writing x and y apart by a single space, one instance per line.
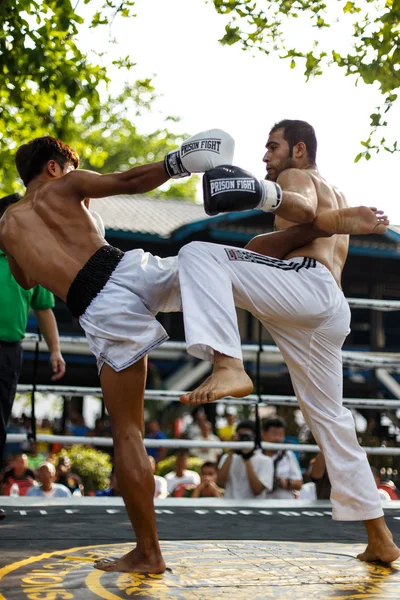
374 304
366 360
174 443
173 396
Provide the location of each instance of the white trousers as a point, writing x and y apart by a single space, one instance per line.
306 313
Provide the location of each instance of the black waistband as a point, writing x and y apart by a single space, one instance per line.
92 278
4 344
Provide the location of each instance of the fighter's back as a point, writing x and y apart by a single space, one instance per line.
332 252
53 225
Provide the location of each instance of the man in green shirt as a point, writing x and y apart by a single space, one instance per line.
15 303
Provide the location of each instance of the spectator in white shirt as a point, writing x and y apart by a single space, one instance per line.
160 483
206 435
181 475
46 475
287 472
245 474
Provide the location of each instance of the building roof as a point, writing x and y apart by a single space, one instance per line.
147 215
167 219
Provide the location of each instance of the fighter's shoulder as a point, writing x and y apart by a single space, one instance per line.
294 175
66 186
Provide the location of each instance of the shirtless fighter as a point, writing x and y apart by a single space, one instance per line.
51 238
299 301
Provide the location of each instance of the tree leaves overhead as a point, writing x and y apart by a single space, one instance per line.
48 86
370 51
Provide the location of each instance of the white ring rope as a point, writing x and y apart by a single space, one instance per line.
149 443
373 304
366 360
173 396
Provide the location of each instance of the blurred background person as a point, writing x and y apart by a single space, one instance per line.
206 435
226 432
153 432
65 477
113 489
19 475
35 458
318 474
46 475
386 487
245 474
182 476
77 426
198 417
161 487
207 487
287 471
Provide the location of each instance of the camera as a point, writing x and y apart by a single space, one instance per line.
246 437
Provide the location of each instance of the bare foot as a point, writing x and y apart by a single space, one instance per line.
133 562
224 381
385 552
355 221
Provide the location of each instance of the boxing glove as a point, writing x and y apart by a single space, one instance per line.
228 189
200 153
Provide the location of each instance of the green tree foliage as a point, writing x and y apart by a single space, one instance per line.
369 49
48 86
92 466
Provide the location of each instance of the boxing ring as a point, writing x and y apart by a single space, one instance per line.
214 548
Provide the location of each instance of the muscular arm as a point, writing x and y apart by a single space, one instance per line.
223 472
87 184
48 326
256 486
299 199
19 275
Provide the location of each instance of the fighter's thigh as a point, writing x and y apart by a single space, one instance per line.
123 393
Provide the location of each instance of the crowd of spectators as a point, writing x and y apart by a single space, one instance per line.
35 469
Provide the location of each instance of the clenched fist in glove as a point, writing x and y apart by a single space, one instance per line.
200 153
228 189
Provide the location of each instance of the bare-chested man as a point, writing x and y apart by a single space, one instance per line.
299 301
50 238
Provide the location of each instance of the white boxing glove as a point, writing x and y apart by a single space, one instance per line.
200 153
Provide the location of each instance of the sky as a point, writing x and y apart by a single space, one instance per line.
209 85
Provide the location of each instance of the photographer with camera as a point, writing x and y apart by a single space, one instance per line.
287 472
245 474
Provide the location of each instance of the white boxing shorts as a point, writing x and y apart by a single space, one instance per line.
119 321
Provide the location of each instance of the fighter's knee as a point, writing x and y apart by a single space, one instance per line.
193 248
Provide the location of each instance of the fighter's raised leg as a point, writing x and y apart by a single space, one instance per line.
123 394
359 220
229 377
352 221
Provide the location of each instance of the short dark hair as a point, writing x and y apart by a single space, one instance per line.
273 422
246 425
6 201
32 157
208 464
295 131
183 452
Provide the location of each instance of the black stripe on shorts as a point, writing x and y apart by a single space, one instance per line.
253 257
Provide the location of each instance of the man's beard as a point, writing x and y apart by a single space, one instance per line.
287 163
